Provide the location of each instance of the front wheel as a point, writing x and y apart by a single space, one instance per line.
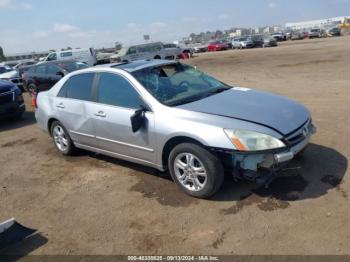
197 171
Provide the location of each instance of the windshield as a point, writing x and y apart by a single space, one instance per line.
178 84
73 66
123 51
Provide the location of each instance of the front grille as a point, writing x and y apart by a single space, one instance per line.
7 97
299 135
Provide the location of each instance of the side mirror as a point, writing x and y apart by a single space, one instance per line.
137 119
61 74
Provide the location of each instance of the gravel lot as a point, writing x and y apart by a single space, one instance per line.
91 204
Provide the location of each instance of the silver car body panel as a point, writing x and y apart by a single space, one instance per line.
112 135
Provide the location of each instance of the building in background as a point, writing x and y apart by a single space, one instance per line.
322 24
21 57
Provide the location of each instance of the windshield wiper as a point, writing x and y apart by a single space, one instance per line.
220 90
186 100
198 97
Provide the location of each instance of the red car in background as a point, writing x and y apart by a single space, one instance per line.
217 46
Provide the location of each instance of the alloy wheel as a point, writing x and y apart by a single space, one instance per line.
60 138
190 172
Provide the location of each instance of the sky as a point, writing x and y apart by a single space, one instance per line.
39 25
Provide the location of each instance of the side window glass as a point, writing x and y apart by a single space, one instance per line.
66 54
78 87
52 57
41 69
53 69
132 50
115 90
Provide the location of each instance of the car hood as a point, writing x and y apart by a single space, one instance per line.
8 75
5 86
273 111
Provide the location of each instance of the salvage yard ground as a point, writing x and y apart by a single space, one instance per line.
91 204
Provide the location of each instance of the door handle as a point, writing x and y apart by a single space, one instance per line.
60 105
100 114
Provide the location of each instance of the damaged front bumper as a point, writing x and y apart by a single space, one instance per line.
261 167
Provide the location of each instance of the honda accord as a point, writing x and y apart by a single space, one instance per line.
172 116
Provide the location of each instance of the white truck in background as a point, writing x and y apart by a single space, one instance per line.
155 50
84 55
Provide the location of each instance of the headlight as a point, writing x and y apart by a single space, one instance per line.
252 141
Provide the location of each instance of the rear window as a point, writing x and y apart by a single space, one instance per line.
78 87
73 66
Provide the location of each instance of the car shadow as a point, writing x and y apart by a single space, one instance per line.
319 170
17 251
27 119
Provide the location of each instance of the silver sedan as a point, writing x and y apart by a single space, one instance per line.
173 117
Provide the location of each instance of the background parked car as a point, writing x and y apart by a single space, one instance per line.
257 40
5 69
242 42
263 40
84 55
315 33
24 64
43 76
11 101
217 45
173 51
297 36
305 34
336 31
269 41
13 77
143 52
200 48
280 36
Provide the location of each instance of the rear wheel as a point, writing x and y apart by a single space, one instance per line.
61 139
157 57
197 171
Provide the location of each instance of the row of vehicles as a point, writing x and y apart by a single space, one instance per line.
236 43
259 40
312 33
33 75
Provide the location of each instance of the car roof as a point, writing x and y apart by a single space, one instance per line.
138 65
57 62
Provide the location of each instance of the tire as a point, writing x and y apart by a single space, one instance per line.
157 57
62 141
183 173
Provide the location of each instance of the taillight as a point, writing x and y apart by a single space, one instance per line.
34 99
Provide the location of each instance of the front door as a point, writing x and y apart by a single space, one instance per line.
117 101
54 74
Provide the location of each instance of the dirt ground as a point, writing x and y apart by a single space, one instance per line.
91 204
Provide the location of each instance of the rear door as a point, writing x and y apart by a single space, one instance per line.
73 105
117 101
41 78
